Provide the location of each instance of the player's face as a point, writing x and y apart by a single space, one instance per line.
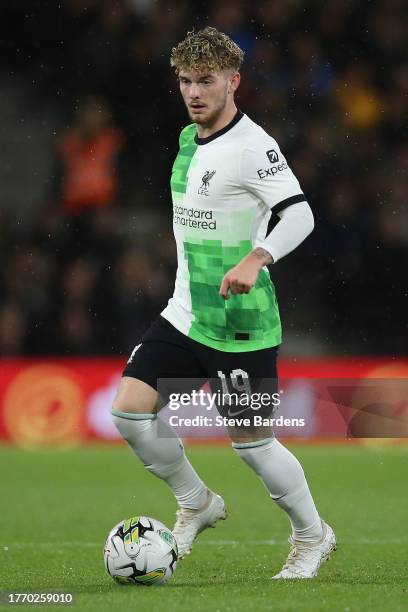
206 95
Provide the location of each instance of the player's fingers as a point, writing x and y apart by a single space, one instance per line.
237 288
242 288
234 287
224 288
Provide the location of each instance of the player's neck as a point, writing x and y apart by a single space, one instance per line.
228 114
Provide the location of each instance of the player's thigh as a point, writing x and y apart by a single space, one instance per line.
162 354
249 376
136 396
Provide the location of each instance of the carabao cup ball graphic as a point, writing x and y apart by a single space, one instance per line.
140 551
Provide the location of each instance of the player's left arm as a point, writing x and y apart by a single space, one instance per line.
274 183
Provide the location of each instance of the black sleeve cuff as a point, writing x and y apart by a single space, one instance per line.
288 202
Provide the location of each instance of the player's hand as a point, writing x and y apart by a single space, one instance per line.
242 277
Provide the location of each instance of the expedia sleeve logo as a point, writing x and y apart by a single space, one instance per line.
273 159
272 171
272 156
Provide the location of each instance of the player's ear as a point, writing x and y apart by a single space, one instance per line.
234 81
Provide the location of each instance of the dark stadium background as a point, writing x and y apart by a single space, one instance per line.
86 92
84 274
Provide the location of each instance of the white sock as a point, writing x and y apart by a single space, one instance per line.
285 480
161 451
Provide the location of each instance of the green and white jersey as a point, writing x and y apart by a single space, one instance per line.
224 189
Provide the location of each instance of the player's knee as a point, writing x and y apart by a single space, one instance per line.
131 406
251 435
133 427
254 452
158 447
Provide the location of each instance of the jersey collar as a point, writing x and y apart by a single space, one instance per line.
202 141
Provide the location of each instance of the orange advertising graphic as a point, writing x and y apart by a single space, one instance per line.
44 405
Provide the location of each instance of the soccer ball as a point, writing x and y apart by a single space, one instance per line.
140 551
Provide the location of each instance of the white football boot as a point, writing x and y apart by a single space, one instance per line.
305 558
190 522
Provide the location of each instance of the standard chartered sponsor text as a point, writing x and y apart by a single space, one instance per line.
194 217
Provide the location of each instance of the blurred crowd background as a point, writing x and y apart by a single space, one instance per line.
89 121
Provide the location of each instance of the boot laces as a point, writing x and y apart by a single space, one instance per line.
184 518
299 555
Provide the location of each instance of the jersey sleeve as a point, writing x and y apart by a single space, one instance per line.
296 223
265 172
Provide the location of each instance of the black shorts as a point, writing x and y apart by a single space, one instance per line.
165 353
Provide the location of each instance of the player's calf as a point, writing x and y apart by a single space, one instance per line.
155 443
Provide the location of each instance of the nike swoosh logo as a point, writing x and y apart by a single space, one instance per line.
233 414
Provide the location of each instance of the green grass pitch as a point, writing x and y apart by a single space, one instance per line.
57 507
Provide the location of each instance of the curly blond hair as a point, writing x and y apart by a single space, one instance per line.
206 50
